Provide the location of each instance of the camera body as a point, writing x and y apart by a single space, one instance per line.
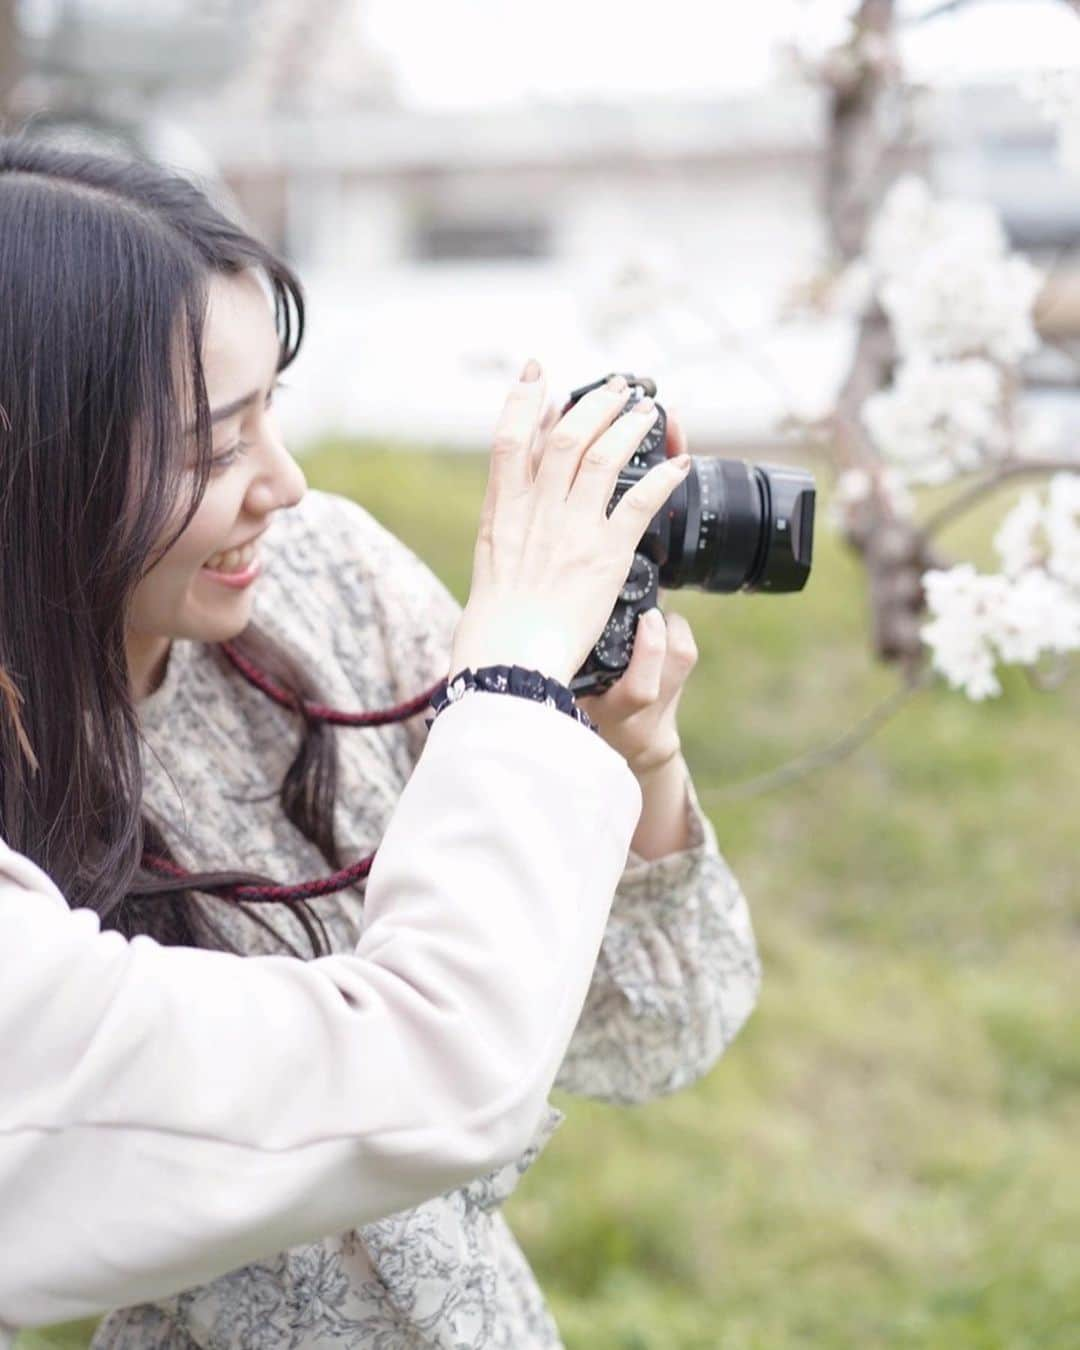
729 526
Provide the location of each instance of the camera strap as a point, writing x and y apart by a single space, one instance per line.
336 881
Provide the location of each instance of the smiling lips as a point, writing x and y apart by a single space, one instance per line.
235 560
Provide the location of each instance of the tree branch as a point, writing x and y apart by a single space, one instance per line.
833 751
1053 677
928 15
963 501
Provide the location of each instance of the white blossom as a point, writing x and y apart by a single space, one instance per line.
1044 534
852 291
1039 615
937 418
815 37
981 620
1037 433
1018 540
1062 525
946 278
955 303
959 634
910 222
1057 93
854 487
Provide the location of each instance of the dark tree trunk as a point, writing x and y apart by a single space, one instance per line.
9 58
856 174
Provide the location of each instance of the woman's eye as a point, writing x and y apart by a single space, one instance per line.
233 452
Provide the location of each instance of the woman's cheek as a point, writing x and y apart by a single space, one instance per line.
213 527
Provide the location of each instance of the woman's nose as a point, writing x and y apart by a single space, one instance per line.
282 484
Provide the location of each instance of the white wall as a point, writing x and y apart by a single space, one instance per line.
426 350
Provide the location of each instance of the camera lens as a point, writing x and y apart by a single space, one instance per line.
740 526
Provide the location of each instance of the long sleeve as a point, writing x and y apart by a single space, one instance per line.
678 972
168 1114
677 976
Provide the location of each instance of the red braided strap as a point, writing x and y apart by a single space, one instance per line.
337 881
304 890
272 689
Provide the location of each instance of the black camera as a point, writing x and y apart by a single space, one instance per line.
728 526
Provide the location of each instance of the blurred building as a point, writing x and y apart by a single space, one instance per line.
441 250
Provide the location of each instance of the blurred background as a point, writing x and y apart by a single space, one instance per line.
886 1155
464 186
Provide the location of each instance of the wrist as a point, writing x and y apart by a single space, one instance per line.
655 763
475 659
524 639
663 827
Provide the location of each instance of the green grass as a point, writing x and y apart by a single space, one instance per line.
887 1155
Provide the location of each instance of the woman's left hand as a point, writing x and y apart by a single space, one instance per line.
636 716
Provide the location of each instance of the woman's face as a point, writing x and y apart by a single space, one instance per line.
253 476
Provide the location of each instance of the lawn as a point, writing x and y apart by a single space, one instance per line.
887 1154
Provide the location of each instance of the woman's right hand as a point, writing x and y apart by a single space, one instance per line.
549 562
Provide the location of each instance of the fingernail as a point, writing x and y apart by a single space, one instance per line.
617 384
681 461
645 406
531 371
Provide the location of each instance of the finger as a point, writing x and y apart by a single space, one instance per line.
573 433
676 436
548 419
681 655
601 462
640 684
515 427
639 504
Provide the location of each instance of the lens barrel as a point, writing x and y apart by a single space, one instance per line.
730 525
736 526
787 529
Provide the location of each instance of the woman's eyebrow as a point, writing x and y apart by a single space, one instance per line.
227 409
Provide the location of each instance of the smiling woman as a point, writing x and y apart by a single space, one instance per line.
201 588
182 310
134 572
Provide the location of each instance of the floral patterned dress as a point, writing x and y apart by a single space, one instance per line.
676 977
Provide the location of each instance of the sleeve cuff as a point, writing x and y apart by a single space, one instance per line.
673 874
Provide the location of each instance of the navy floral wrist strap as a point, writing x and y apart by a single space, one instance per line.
508 680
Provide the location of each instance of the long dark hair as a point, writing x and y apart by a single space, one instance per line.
105 262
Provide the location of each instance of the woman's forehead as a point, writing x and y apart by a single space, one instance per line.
240 341
238 309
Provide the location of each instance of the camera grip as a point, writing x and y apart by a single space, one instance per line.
611 654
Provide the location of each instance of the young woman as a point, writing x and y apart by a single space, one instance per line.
195 609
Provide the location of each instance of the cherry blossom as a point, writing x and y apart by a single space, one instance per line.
938 418
910 223
947 280
855 487
981 620
1057 93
